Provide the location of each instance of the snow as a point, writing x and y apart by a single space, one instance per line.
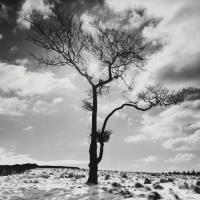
60 184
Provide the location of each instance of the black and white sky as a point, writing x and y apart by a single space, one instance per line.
41 119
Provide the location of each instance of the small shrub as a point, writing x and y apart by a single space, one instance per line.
115 184
107 176
78 176
170 180
139 185
70 175
124 175
158 187
45 176
147 181
126 193
162 180
154 196
184 186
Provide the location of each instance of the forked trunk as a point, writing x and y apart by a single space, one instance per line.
93 165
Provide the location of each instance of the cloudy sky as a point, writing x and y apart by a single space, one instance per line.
41 119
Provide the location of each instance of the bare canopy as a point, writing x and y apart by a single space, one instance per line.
117 50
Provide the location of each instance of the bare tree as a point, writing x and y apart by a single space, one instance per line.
66 43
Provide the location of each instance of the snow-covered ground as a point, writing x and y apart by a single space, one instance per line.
60 184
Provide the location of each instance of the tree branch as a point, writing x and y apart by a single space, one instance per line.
109 115
62 34
153 96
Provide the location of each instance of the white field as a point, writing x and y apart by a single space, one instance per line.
60 184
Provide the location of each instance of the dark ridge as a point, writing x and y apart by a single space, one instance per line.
15 169
61 167
6 170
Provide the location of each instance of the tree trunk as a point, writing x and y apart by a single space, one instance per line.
93 165
100 153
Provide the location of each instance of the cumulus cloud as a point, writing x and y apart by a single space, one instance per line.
20 87
45 107
185 143
45 8
13 106
174 67
22 62
57 100
29 6
130 18
41 106
181 157
176 128
28 83
177 64
164 125
183 70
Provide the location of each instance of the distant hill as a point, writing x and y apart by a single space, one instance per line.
21 168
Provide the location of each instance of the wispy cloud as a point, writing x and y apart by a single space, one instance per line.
148 159
57 100
45 107
183 143
135 138
181 157
28 128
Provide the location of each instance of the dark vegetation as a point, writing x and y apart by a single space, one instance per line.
188 173
17 169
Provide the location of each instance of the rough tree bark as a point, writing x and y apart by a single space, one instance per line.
93 165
